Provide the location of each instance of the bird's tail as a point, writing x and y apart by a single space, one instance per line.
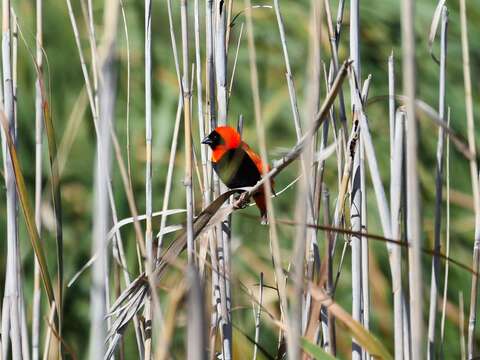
261 202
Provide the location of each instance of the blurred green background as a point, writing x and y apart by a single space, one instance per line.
380 35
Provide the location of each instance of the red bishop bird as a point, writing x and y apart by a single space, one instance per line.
236 164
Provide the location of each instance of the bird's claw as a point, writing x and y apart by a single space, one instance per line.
241 202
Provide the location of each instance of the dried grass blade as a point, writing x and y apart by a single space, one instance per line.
27 211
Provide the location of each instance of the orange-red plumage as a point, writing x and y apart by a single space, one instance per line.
236 164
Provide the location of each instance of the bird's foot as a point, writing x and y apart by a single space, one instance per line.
241 201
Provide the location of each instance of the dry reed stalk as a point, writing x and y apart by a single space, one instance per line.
221 62
447 235
223 231
210 63
365 241
356 197
329 333
298 261
188 123
413 193
435 279
396 187
120 253
48 336
382 204
169 179
23 318
334 36
312 104
188 183
127 40
234 67
148 172
36 310
391 103
173 147
196 339
11 323
257 316
104 106
290 82
228 23
474 178
469 105
100 228
472 318
211 124
201 119
461 326
175 299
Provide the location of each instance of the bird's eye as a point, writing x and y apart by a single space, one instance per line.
217 139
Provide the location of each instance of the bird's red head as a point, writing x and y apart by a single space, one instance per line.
222 139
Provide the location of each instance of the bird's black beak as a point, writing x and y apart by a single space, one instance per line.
207 141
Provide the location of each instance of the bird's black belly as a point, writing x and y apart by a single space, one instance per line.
236 169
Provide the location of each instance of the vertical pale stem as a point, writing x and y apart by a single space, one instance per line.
474 176
148 170
223 231
289 76
447 235
435 279
355 219
106 112
191 339
188 138
148 128
329 332
312 256
22 316
364 241
391 104
257 316
298 263
211 111
461 325
169 180
472 318
221 62
173 147
36 310
356 190
413 193
100 229
196 339
469 106
395 204
201 118
210 63
98 292
12 286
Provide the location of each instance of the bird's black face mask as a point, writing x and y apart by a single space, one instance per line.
213 140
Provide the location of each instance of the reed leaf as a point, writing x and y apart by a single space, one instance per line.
27 211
